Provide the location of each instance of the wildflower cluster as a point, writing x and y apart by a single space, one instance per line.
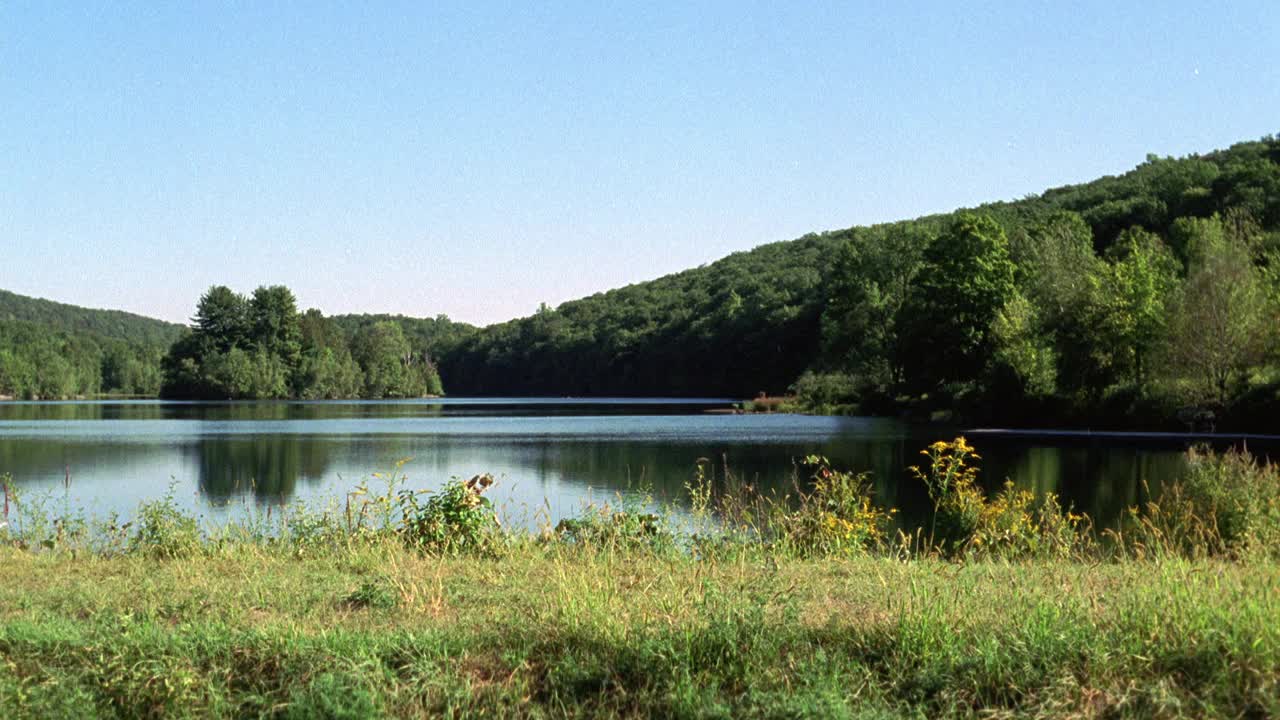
1011 524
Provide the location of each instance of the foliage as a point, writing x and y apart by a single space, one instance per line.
457 518
869 286
1009 525
131 329
605 527
1023 349
1159 283
429 338
1133 297
54 351
1155 287
391 368
1221 327
825 392
1039 310
965 279
1226 504
163 530
834 516
261 348
37 362
952 483
744 324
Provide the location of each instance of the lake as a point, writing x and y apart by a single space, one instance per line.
549 455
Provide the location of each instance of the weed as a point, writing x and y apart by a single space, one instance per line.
371 594
163 530
1010 525
457 518
1226 504
601 526
835 516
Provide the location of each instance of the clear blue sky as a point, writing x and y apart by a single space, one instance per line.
478 159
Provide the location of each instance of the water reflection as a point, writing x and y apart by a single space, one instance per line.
549 456
267 467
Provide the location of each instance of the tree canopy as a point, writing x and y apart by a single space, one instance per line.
51 350
261 347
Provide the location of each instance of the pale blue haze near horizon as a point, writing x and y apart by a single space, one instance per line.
477 159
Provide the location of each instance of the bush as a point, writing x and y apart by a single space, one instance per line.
958 502
825 392
163 530
835 517
602 526
458 518
1008 525
1238 495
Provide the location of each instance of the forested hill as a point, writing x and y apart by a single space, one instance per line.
839 303
745 323
113 324
52 350
429 337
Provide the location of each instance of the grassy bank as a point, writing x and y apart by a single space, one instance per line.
553 631
410 604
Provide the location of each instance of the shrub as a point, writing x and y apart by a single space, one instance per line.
1008 525
1012 525
835 516
603 526
458 518
825 391
163 530
306 530
958 502
1237 495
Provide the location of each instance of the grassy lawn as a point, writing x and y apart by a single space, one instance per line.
554 630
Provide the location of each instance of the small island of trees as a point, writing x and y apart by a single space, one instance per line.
260 347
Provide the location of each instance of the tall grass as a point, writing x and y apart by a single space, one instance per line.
1227 505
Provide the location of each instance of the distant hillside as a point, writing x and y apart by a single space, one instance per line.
745 323
429 336
51 350
113 324
758 320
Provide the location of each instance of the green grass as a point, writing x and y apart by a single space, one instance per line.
405 604
552 630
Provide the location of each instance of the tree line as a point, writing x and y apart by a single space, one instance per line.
1040 326
39 363
1145 298
51 350
1141 298
261 347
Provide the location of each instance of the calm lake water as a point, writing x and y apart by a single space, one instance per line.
550 455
